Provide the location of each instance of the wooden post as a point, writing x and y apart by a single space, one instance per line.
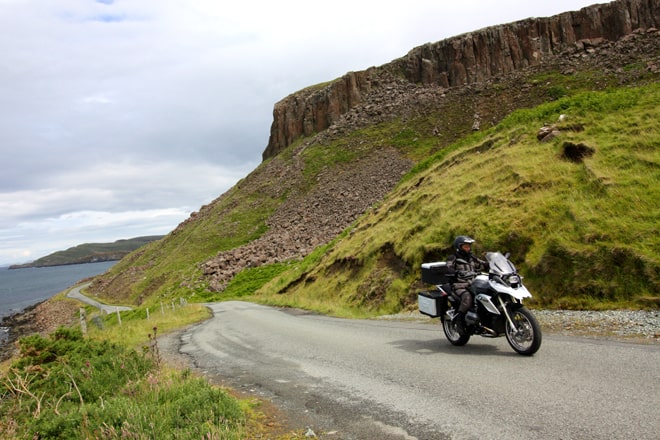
83 321
147 312
118 316
162 310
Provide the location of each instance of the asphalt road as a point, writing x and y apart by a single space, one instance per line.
105 308
374 379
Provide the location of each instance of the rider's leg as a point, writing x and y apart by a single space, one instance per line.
466 303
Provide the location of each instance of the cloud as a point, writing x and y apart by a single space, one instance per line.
33 239
123 109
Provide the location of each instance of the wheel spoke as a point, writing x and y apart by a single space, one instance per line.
522 334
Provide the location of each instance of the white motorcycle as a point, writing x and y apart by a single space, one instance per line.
497 309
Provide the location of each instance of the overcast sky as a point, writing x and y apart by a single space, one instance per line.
118 118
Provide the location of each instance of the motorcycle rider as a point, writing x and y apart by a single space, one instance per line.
466 266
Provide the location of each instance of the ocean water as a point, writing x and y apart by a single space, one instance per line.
21 288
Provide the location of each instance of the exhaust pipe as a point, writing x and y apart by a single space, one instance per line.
488 332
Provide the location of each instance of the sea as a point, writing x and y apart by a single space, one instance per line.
22 288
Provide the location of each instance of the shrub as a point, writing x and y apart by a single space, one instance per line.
69 387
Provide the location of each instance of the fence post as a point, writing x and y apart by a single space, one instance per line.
118 315
147 312
83 322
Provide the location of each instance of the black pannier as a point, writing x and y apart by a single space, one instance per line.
437 273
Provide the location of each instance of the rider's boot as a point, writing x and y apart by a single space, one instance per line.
459 323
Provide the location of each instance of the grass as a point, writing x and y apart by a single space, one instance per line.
548 210
136 328
169 270
583 232
246 282
437 137
559 218
70 387
113 383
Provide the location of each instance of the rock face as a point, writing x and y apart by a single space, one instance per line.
466 59
313 110
308 220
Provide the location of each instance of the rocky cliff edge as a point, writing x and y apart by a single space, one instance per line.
462 60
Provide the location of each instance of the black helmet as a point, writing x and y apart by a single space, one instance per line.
460 241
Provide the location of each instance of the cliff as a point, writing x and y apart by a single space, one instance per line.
466 59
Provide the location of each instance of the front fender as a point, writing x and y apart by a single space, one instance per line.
518 293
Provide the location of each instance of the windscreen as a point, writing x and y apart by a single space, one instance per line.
499 263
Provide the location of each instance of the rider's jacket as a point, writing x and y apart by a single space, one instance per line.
466 268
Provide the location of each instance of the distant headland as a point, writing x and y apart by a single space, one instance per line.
91 253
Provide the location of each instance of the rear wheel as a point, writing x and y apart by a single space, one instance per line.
452 333
525 336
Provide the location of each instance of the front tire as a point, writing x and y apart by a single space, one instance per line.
452 333
525 336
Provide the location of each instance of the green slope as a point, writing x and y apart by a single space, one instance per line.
583 231
172 268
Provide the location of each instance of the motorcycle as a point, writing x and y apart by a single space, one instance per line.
497 308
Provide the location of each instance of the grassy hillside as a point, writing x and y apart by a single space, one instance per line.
171 268
584 230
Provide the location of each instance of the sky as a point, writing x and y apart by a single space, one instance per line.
119 118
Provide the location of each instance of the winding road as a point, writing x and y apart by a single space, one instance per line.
376 379
105 308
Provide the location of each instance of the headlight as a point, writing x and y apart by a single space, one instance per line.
514 279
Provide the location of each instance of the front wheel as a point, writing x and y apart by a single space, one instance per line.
452 333
525 336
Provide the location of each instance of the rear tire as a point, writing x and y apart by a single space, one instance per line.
452 333
525 338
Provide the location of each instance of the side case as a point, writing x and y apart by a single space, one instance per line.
432 303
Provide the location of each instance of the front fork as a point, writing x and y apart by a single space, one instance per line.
506 312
